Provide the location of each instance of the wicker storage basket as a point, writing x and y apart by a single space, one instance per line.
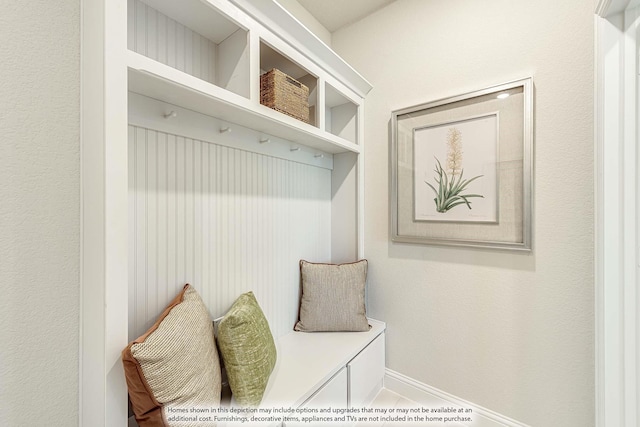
284 94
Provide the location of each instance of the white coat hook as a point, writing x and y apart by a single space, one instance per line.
225 129
265 140
294 149
170 114
318 156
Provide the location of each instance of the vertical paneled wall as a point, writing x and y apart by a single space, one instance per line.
225 220
162 39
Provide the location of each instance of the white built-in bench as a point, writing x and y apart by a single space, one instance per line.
325 369
321 370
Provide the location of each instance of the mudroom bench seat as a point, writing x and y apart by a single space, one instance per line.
323 370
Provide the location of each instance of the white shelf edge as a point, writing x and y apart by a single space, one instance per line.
158 81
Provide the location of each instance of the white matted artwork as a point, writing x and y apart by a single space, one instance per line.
455 166
462 169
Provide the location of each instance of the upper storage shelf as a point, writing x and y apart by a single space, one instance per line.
341 115
271 58
161 82
273 16
208 55
191 37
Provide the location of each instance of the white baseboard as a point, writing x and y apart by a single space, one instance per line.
430 396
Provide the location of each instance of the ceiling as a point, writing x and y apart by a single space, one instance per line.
335 14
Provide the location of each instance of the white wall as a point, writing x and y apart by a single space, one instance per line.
39 212
511 332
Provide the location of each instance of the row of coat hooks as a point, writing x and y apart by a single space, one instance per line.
172 114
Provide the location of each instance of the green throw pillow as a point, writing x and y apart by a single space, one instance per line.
247 349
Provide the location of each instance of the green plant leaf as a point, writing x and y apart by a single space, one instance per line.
432 187
453 205
448 193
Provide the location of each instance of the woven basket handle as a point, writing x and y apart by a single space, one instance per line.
294 82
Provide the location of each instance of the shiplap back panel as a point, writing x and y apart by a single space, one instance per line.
165 40
225 220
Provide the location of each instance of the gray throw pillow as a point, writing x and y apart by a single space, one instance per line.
332 297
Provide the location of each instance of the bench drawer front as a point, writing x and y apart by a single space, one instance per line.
333 394
366 373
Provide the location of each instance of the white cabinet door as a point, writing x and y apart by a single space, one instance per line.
333 394
366 373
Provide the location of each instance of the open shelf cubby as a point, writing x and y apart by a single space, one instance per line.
271 58
341 115
193 37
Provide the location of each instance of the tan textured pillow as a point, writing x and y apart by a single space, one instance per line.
174 366
333 297
247 349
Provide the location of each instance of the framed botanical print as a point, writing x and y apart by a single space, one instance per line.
461 169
